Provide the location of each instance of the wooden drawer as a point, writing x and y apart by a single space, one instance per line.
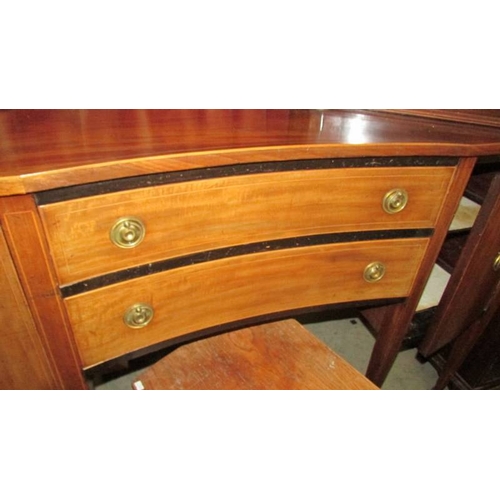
201 215
200 296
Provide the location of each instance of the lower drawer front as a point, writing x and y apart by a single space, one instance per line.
200 296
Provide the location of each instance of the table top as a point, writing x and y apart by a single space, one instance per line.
281 355
45 149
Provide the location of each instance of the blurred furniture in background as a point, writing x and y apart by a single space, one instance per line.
467 316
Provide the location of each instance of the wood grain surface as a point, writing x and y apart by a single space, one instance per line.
44 149
199 296
277 356
487 117
186 218
24 363
47 149
24 234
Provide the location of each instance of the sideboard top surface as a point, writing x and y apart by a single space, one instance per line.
46 149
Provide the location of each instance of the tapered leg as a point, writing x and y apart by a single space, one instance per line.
396 321
392 332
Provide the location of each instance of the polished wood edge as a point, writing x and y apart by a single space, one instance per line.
91 371
41 180
11 186
451 115
31 256
164 178
228 252
397 319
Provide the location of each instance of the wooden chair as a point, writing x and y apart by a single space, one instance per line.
280 355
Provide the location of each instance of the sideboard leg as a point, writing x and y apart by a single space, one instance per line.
390 337
397 318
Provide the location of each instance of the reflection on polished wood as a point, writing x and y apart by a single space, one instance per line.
488 117
43 149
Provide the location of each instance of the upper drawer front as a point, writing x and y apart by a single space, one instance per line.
200 296
189 217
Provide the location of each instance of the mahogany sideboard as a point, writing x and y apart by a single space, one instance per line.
124 231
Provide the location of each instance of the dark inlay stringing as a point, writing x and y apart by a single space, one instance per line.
223 253
143 181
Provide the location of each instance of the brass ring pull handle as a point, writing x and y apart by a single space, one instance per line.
395 200
127 232
374 272
138 315
496 263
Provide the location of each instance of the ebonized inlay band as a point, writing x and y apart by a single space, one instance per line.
150 180
223 253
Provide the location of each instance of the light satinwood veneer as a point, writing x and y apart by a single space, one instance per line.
200 296
204 215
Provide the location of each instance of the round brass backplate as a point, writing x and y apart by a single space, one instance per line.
127 232
374 272
138 315
395 201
